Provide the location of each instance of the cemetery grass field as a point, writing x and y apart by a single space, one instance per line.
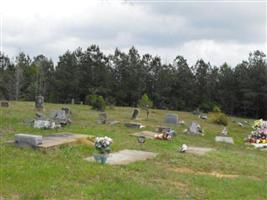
230 172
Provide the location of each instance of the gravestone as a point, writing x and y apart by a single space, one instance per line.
27 139
201 116
223 137
44 124
60 117
136 113
103 118
67 110
195 129
5 104
171 119
39 103
39 115
72 101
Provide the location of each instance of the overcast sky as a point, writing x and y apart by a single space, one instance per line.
217 32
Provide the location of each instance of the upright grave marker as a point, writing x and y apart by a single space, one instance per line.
39 103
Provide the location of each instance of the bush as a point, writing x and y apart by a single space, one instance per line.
216 109
97 102
220 118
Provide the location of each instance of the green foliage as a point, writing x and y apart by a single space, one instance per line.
219 118
145 103
216 109
207 106
97 102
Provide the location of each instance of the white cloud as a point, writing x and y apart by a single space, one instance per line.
52 27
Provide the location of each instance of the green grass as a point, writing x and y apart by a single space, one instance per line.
63 174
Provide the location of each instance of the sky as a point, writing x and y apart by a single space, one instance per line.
218 32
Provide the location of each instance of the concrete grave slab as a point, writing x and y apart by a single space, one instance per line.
22 139
146 134
199 150
134 125
225 139
54 140
126 156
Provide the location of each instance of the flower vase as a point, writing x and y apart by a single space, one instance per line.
101 158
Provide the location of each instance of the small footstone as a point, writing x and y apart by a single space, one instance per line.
126 156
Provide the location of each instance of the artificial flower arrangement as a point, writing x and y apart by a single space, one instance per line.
102 144
259 134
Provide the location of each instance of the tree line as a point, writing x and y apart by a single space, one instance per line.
123 77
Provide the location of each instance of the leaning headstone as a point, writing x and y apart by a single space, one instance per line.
39 103
5 104
223 137
72 101
103 118
171 119
27 139
195 129
136 113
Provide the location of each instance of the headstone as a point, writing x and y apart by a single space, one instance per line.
195 129
67 110
201 116
171 119
27 139
39 115
81 102
103 118
39 103
5 104
44 124
136 113
60 117
72 101
223 137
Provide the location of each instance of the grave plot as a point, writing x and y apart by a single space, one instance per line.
126 156
198 150
51 141
171 119
103 119
258 137
224 137
134 125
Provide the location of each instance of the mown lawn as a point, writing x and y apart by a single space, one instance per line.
62 173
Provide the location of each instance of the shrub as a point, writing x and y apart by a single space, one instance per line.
145 103
220 118
97 102
216 109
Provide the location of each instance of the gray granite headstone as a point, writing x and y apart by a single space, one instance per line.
133 125
39 102
195 129
67 110
171 119
60 117
136 113
27 139
72 101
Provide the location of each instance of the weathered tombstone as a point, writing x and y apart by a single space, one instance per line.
44 124
72 101
201 116
67 110
81 102
60 117
30 140
103 118
223 137
39 103
136 113
39 115
195 129
5 104
171 119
